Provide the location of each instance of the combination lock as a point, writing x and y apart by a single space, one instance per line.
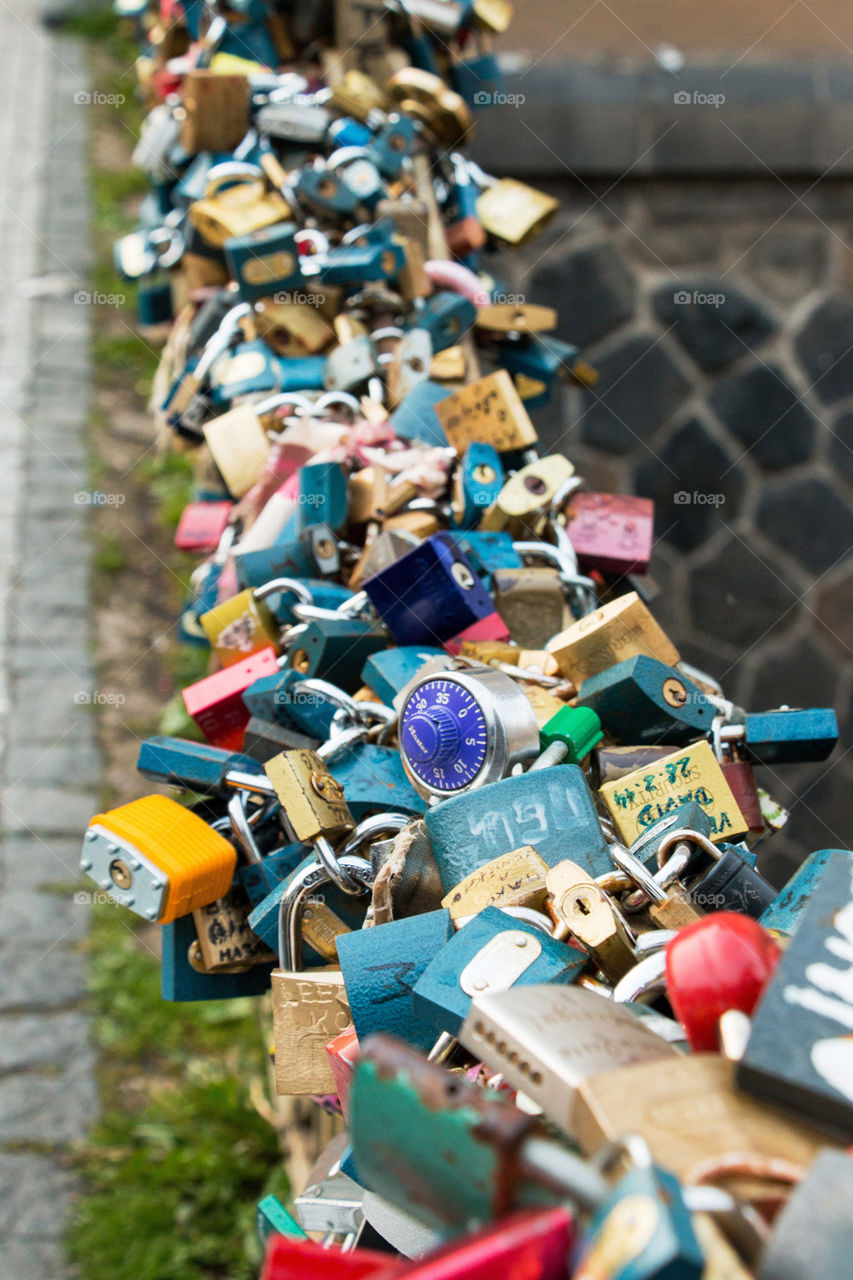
464 729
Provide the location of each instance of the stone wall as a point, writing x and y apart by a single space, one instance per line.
720 319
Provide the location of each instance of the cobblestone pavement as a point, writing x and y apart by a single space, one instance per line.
49 761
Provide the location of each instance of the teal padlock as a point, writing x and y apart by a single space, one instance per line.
550 809
388 671
643 700
374 781
335 649
322 495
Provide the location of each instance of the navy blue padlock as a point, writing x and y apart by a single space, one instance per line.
643 700
430 594
493 952
388 671
550 809
381 966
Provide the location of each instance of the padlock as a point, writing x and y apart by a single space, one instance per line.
731 884
214 114
488 552
531 602
192 766
309 1007
812 1236
533 1243
325 192
568 737
236 209
185 405
252 368
479 480
239 445
380 968
539 364
464 729
325 918
202 525
514 213
611 532
391 146
215 702
322 494
689 817
642 700
350 366
265 262
292 328
259 879
426 98
617 631
518 508
669 907
243 625
591 918
720 963
786 736
447 317
465 233
487 411
643 1230
810 997
379 259
551 810
785 912
373 780
335 649
641 798
225 938
314 806
183 978
157 858
429 594
388 671
287 1259
515 879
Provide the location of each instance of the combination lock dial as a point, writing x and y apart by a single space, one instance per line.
463 729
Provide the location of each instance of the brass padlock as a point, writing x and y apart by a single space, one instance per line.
239 446
588 915
356 95
516 317
519 507
617 631
309 1006
225 940
313 801
489 411
513 212
427 98
244 206
515 879
292 328
215 110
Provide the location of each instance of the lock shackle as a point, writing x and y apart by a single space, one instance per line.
633 867
569 1175
221 340
369 828
331 693
294 900
173 240
237 172
645 982
683 835
531 916
342 740
742 1225
315 239
291 585
241 829
295 398
458 278
344 155
356 233
331 398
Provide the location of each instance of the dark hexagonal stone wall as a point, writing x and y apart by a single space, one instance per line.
720 319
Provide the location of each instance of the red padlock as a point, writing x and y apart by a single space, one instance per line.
288 1259
215 702
202 525
741 779
343 1052
611 532
721 962
532 1245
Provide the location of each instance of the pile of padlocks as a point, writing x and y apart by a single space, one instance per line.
461 805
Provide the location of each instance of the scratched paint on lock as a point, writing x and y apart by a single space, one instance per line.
551 810
640 799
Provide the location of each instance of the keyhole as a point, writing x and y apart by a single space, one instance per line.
581 905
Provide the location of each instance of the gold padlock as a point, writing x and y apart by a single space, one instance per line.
313 801
356 95
239 446
515 879
519 507
215 110
225 938
241 626
427 98
589 916
236 210
531 602
488 411
513 212
639 799
615 632
292 328
516 317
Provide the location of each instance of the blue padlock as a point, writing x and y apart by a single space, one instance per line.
785 912
260 878
181 982
477 79
322 494
488 552
380 968
550 809
335 649
643 700
280 698
356 263
789 736
393 144
491 953
447 318
195 766
283 560
265 262
415 419
374 781
430 594
347 132
388 671
481 478
324 191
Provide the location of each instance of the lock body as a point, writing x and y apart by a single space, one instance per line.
429 594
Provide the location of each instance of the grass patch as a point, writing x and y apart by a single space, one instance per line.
179 1159
171 478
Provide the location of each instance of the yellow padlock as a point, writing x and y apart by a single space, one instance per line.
513 212
520 505
487 411
241 626
157 858
615 632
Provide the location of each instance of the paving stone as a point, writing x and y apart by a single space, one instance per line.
765 413
34 1193
43 917
808 518
639 388
694 483
29 1040
831 603
34 862
49 1106
35 1259
45 809
592 290
712 319
741 595
825 349
36 978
